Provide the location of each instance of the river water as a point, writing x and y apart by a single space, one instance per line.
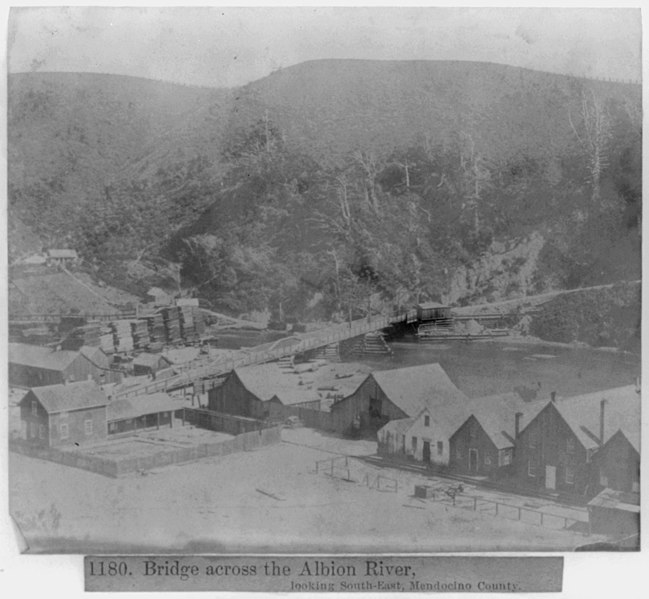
483 368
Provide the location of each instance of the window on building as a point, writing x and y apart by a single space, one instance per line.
41 431
426 420
635 486
532 439
505 457
34 408
487 460
569 475
531 468
63 430
440 447
87 425
32 430
414 444
570 445
603 479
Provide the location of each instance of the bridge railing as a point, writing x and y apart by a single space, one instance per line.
208 367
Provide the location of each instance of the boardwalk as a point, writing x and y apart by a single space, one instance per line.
205 367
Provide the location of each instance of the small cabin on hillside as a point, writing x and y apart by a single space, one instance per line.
57 415
393 395
430 311
62 257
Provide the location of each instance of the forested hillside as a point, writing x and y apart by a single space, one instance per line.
332 182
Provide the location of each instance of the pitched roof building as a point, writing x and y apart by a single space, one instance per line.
396 394
55 415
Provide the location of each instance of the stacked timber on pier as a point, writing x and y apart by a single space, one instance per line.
140 334
122 337
171 318
157 335
372 344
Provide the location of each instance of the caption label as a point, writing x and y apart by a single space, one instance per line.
331 574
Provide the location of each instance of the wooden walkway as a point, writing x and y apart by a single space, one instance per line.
206 368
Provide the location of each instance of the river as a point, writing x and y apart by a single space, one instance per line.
483 368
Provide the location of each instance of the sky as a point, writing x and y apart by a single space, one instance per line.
227 47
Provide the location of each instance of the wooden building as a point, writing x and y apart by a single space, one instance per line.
484 444
616 465
36 366
392 395
62 257
146 363
555 450
154 411
260 392
425 438
615 514
430 311
59 415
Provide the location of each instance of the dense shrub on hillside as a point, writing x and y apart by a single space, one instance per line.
599 317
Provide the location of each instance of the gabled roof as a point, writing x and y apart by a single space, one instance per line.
618 500
430 305
65 398
398 427
149 360
497 416
417 387
122 409
37 356
266 381
182 355
621 412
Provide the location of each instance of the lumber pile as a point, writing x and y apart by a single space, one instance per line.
122 337
171 318
140 334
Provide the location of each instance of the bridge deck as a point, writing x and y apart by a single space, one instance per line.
209 368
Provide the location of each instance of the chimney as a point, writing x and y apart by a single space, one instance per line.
517 424
553 396
602 413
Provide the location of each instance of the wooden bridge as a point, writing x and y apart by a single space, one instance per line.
208 368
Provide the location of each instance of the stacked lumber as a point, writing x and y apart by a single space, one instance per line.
140 334
122 335
199 322
171 318
187 327
106 340
157 334
85 335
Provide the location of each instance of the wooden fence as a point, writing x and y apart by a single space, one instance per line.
113 468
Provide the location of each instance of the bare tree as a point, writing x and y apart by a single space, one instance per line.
593 134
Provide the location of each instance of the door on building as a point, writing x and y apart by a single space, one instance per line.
426 451
473 460
551 477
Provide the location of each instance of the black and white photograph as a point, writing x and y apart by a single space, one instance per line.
324 280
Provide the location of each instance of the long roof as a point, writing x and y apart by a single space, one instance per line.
62 253
497 416
618 500
72 396
417 387
621 412
147 359
266 381
123 409
37 356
